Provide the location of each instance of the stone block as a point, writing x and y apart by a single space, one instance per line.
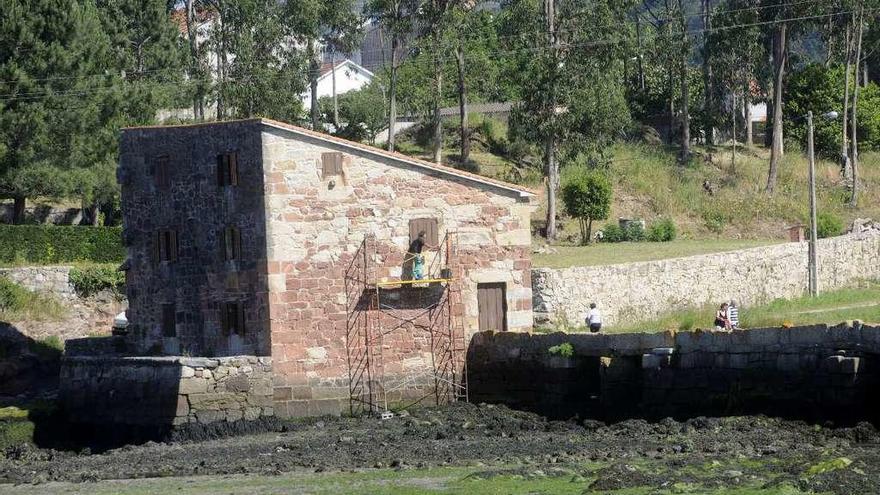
788 362
182 406
193 386
187 372
254 413
209 416
238 383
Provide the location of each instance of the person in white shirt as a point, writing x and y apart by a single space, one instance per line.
594 319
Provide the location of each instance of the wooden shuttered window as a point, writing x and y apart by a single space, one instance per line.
331 164
232 317
162 171
169 320
165 247
227 169
231 243
428 225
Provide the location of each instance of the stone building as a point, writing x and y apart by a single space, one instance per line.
250 237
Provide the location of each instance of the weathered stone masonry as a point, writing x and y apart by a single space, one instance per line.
750 276
300 230
814 372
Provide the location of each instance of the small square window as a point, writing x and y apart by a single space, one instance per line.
227 169
331 164
169 320
162 171
426 225
165 245
232 317
231 243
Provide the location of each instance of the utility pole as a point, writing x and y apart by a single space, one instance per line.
550 138
813 266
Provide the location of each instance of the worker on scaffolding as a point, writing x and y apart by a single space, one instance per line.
415 255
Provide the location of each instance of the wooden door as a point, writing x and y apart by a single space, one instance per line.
492 306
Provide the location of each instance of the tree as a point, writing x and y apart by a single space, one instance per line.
396 17
587 197
361 113
342 34
566 61
60 106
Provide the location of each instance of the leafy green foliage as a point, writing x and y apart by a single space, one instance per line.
361 113
662 231
88 280
587 197
18 303
46 244
613 233
634 232
564 349
818 89
828 225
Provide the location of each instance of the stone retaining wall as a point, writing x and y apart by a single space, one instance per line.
165 392
751 276
815 371
51 279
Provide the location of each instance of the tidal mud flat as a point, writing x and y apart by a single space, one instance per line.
491 443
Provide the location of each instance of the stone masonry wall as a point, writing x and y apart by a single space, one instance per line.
315 227
201 280
51 279
751 276
165 391
815 372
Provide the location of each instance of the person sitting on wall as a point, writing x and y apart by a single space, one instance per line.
722 321
733 315
415 255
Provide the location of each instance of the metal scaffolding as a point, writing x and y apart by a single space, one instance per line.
378 309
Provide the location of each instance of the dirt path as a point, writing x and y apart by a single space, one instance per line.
490 443
838 308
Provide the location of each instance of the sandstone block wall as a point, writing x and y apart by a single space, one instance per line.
751 276
815 371
165 391
316 226
52 279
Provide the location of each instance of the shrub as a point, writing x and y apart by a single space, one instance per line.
18 303
633 232
612 233
13 297
91 279
714 221
45 244
662 231
565 350
828 225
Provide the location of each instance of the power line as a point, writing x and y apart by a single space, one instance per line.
445 58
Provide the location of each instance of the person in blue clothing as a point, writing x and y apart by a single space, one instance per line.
415 254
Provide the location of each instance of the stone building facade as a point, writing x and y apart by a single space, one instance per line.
240 234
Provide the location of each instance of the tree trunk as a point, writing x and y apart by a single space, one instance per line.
639 39
845 165
314 70
747 113
333 81
685 152
589 230
19 203
733 133
708 94
392 93
854 199
438 99
221 62
463 107
195 61
779 56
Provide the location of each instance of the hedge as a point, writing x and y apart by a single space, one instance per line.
47 244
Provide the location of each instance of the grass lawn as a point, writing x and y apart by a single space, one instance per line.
626 252
858 303
450 481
